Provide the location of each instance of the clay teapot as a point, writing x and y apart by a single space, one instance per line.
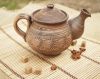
49 31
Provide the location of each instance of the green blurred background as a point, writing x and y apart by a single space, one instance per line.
91 5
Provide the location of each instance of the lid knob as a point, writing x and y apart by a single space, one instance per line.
50 6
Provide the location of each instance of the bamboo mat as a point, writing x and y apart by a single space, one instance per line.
13 47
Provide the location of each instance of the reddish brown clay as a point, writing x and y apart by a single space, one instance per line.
77 24
76 54
49 32
53 67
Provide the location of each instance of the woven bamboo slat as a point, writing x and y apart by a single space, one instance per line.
13 47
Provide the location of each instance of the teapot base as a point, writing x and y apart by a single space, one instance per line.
50 49
50 54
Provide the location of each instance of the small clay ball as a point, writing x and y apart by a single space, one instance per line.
83 44
53 67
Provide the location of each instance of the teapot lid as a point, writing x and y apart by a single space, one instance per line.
49 15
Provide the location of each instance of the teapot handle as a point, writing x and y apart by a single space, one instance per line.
17 29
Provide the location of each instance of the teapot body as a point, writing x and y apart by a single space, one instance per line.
49 39
49 32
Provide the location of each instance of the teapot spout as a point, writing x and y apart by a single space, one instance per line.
77 24
85 13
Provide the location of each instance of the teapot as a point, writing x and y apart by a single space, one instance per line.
49 31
